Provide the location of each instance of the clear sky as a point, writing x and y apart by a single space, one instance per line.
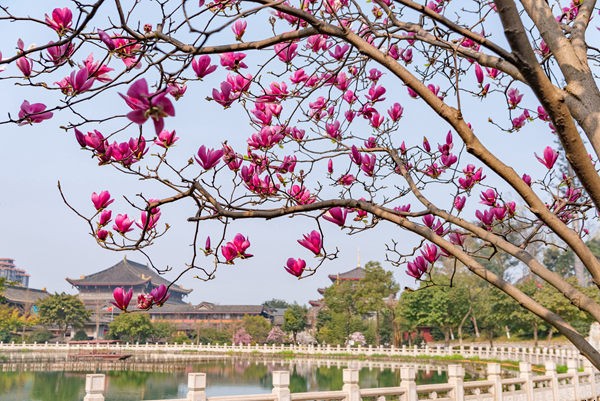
52 243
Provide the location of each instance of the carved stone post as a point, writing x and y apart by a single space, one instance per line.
350 386
94 387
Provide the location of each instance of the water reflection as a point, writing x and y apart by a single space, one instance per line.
225 376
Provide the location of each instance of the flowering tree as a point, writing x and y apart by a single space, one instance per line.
323 85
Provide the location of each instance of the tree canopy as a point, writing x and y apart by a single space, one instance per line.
329 96
63 310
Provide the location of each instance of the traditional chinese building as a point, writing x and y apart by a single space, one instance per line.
96 292
23 298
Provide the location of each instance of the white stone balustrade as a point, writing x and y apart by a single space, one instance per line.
571 386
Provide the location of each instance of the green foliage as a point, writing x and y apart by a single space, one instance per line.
64 311
276 303
80 335
11 322
294 320
131 327
212 335
39 336
180 338
257 327
161 331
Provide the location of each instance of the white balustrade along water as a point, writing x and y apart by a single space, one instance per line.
551 386
525 354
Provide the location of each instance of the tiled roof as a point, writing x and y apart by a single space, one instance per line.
357 273
23 295
207 308
126 273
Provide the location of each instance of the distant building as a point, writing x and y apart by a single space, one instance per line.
356 274
25 299
96 292
12 273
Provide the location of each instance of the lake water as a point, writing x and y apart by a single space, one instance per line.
228 376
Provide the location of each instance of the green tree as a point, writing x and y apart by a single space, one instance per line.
294 320
258 327
11 322
276 303
131 327
63 310
161 331
373 294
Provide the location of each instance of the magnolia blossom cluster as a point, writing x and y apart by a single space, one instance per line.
157 297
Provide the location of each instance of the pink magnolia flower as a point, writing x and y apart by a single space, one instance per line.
176 90
122 298
412 93
266 138
417 267
395 112
233 61
457 238
488 197
166 139
492 72
160 295
486 217
122 224
76 83
330 166
239 28
338 51
459 202
102 235
299 76
225 97
376 93
286 51
202 66
407 56
236 248
479 74
368 164
144 301
96 69
333 130
105 217
60 54
312 241
430 252
209 158
301 195
147 220
514 97
148 105
402 208
336 215
346 179
527 179
25 65
542 115
33 113
295 266
549 157
101 200
61 20
207 247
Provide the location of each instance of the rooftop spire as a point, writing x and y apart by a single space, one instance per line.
358 257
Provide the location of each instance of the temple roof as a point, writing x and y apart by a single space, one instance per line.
357 273
126 273
23 295
207 308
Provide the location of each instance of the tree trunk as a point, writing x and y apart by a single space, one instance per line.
535 334
462 322
475 327
377 337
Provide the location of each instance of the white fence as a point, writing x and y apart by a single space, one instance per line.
560 355
570 386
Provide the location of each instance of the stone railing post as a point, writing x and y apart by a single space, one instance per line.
196 387
456 378
350 386
551 371
526 373
281 385
94 387
408 384
572 369
591 370
494 374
